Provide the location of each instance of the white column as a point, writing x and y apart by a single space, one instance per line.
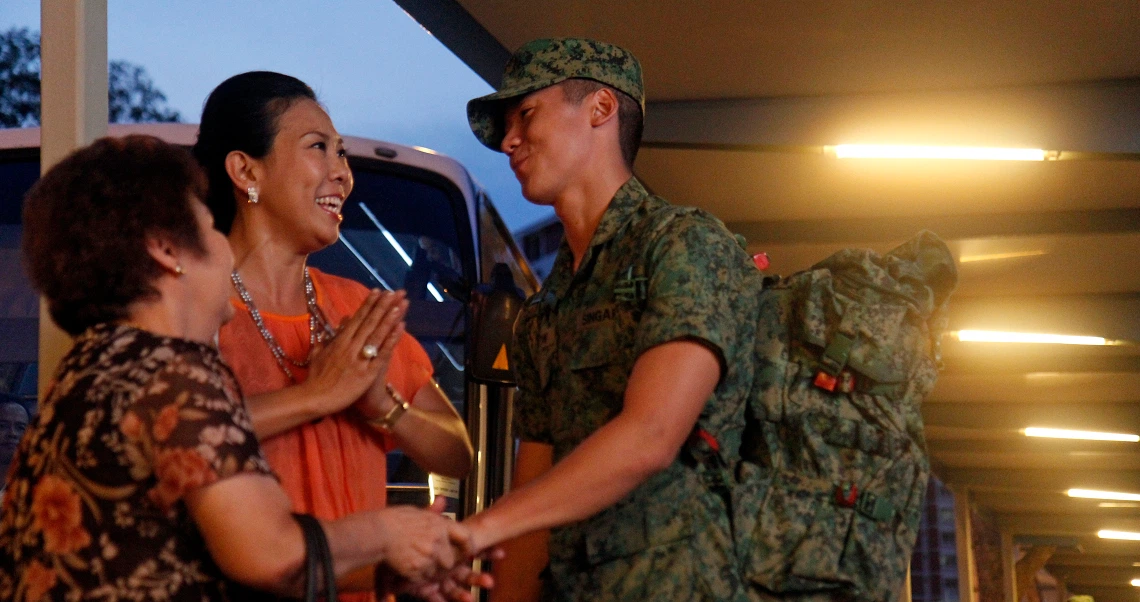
964 536
73 112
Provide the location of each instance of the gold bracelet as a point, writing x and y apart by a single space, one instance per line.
386 422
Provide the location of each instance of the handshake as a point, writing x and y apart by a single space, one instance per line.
427 555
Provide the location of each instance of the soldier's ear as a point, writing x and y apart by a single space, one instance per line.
604 107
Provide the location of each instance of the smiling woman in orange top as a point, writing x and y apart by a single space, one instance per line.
326 412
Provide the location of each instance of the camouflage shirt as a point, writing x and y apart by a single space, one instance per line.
653 273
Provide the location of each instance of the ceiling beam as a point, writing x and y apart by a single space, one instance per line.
1114 417
948 227
1045 501
457 30
1044 448
1064 524
1091 388
1089 116
1075 559
1095 575
991 364
1006 479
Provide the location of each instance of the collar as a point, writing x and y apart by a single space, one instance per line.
620 211
618 214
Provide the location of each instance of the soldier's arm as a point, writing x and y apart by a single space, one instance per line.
517 575
667 390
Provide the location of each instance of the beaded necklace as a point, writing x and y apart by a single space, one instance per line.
319 328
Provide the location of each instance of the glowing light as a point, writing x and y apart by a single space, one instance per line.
1104 495
1135 582
998 256
1109 534
966 153
1117 505
991 336
1086 435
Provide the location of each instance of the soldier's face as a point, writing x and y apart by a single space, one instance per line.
548 142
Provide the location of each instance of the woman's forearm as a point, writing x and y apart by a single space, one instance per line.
249 531
430 432
436 441
284 409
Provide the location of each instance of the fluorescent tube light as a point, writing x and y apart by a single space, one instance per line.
1104 495
1135 582
1108 534
968 153
1086 435
991 336
997 256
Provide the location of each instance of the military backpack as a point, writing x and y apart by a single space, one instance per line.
832 470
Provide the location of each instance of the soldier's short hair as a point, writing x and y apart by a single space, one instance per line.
630 122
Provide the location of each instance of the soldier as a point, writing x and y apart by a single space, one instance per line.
637 333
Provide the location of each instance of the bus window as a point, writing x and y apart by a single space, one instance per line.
19 303
498 246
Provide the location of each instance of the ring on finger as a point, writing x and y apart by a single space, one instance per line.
369 351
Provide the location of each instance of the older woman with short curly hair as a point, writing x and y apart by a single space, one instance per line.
141 477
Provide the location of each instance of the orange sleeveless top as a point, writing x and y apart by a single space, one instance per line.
336 465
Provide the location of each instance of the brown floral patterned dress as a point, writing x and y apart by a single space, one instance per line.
94 507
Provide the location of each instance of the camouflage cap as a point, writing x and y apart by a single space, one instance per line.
542 63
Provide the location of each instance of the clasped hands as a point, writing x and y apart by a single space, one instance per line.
346 369
430 556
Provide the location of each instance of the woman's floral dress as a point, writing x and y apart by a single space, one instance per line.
94 509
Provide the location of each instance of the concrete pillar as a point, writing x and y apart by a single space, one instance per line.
73 59
964 536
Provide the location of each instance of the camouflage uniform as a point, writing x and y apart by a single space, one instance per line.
653 274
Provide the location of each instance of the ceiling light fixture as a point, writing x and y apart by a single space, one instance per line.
1135 582
997 256
1104 495
992 336
1109 534
1052 433
967 153
1117 505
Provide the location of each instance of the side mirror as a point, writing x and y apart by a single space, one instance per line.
494 307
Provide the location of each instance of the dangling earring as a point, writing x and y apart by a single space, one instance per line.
178 270
252 193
